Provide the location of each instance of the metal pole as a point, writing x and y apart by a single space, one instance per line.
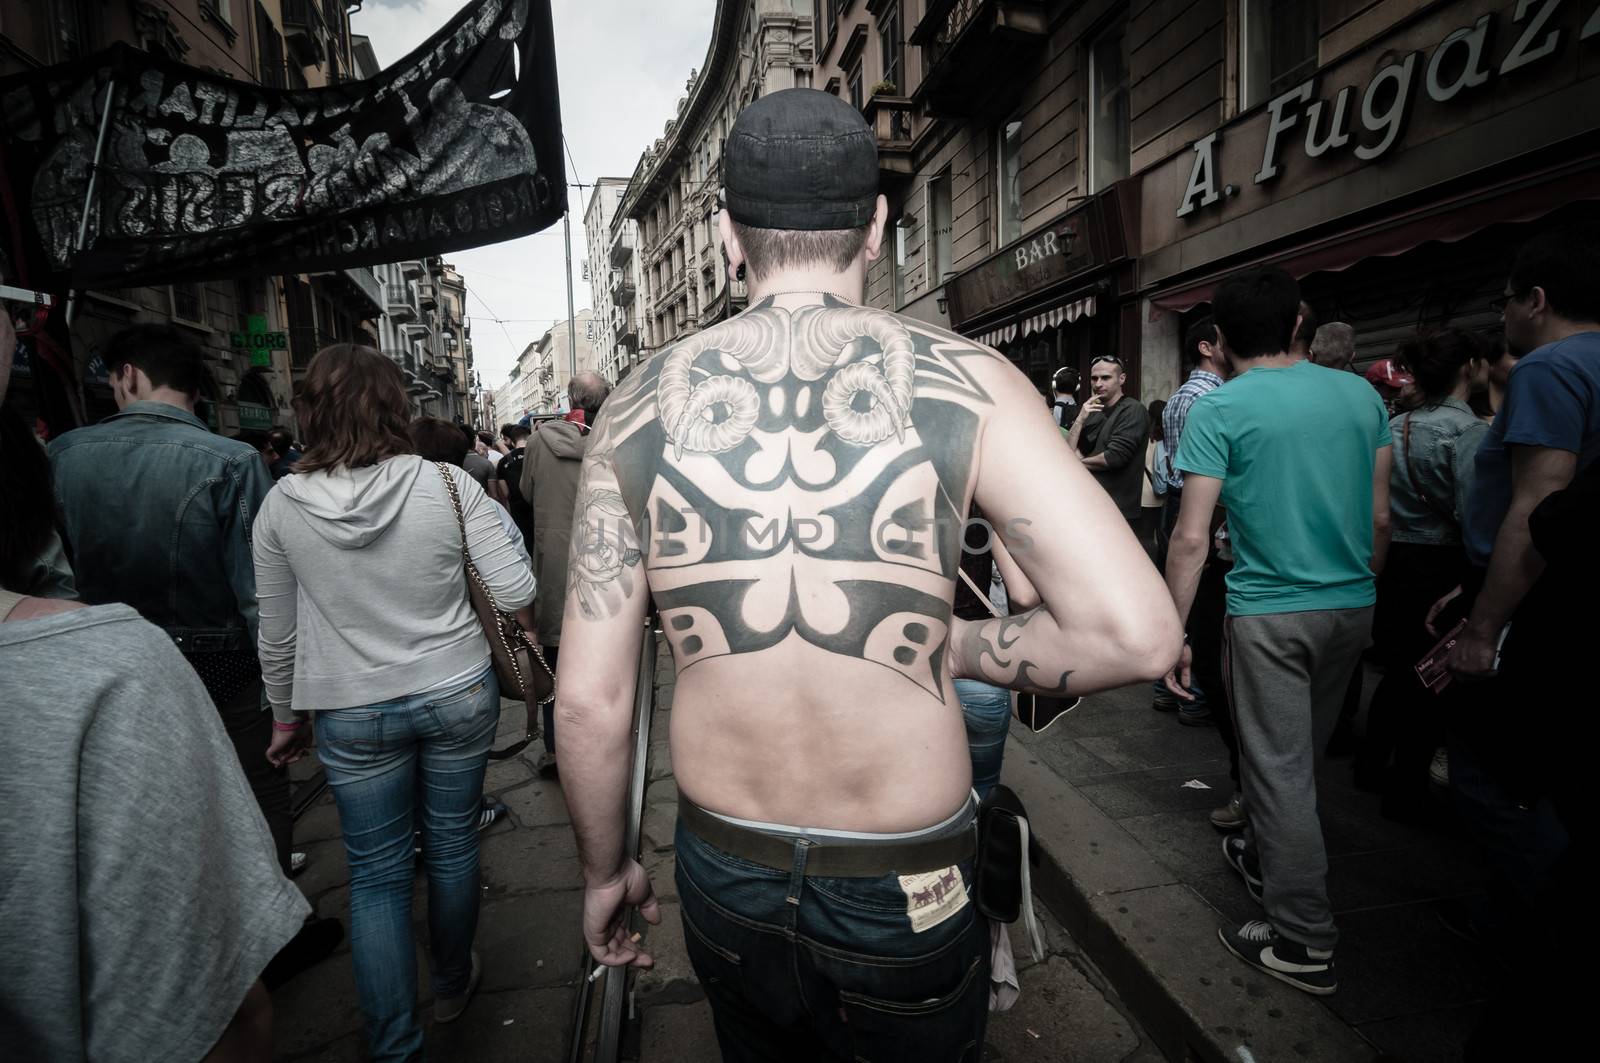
88 198
616 978
572 333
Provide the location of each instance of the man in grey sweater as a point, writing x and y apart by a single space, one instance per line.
550 469
1110 435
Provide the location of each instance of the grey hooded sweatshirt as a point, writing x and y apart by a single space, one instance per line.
361 588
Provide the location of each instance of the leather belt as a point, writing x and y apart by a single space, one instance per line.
856 860
209 640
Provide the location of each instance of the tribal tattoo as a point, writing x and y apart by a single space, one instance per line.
985 650
789 474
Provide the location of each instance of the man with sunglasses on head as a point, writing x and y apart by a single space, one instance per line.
1110 435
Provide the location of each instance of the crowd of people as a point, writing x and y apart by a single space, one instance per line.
1315 518
185 613
181 613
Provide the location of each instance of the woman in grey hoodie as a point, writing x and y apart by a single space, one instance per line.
365 622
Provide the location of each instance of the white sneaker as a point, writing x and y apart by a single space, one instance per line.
1439 770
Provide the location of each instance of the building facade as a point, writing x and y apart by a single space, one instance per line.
757 47
258 333
1068 179
614 287
538 382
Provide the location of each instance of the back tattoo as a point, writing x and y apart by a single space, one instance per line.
788 473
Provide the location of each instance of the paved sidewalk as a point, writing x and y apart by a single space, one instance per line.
1067 1012
1406 986
528 932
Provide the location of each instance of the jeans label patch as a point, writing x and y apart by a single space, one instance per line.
933 896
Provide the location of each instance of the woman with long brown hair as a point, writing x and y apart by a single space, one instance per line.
366 623
1436 438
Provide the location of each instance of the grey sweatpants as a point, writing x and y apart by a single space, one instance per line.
1287 674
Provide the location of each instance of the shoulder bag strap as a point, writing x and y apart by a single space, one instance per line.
982 597
455 504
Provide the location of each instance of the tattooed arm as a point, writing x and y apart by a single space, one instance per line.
1105 618
600 638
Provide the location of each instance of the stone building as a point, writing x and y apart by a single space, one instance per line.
538 382
613 286
757 47
1072 178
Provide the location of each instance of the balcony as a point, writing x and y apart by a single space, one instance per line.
365 282
890 119
398 304
623 246
412 269
622 288
415 329
427 297
627 328
356 286
304 31
964 41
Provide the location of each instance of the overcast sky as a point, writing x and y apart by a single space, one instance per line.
623 64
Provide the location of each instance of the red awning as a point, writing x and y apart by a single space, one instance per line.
1520 199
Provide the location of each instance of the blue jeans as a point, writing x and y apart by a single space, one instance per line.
835 972
373 755
988 714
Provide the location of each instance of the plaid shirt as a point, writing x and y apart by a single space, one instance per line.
1176 415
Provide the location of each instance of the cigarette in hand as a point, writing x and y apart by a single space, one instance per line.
594 975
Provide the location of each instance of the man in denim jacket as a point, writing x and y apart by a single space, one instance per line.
158 510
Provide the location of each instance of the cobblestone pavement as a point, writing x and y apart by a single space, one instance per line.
1406 985
527 933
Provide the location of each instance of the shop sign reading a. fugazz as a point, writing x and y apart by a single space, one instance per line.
1458 62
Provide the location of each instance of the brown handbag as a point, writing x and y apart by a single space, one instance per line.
519 663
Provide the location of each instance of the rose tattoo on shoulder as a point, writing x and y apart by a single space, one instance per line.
604 552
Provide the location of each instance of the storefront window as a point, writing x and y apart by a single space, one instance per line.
941 223
1108 111
1008 170
1277 47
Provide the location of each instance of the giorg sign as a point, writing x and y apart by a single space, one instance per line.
1458 62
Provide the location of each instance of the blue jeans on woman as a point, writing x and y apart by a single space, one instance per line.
373 755
988 715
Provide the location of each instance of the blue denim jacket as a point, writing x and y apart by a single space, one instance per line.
158 509
1444 442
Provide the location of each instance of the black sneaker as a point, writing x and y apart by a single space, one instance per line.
1305 968
1243 859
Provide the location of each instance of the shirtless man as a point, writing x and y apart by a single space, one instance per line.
790 486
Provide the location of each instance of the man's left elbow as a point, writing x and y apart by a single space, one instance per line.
1153 644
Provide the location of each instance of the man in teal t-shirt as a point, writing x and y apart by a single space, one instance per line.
1299 457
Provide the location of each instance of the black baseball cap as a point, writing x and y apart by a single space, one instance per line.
801 159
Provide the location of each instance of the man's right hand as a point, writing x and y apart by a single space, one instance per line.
1182 673
605 924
